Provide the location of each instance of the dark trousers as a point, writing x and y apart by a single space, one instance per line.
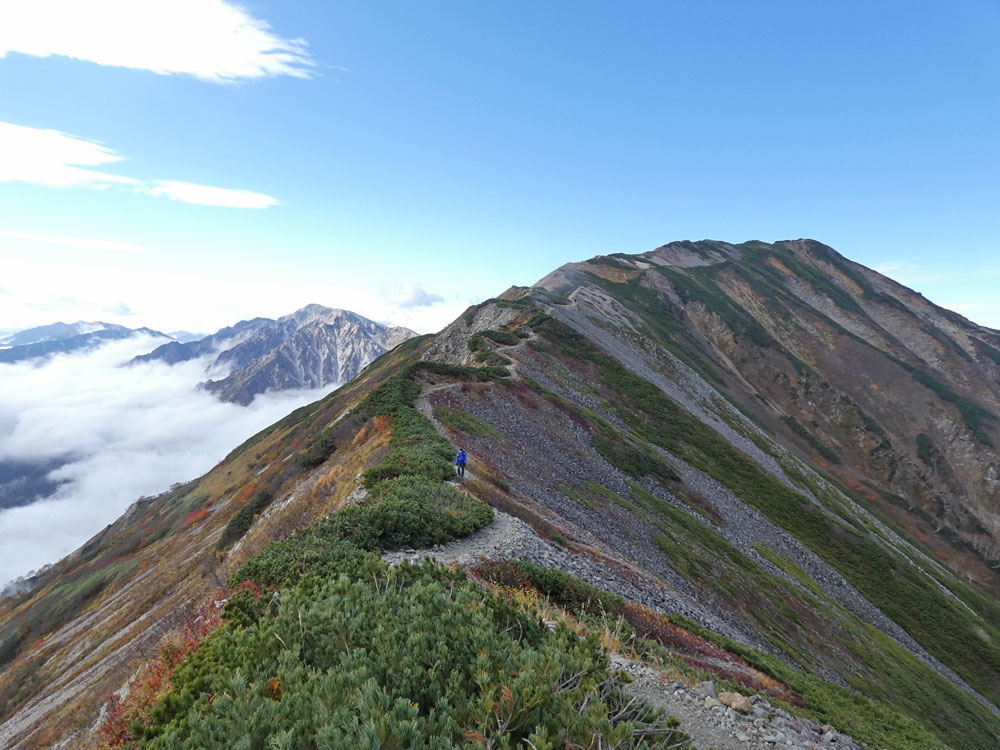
461 469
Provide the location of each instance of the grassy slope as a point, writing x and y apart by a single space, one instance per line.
805 624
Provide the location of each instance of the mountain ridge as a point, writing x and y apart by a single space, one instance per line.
693 429
54 332
63 338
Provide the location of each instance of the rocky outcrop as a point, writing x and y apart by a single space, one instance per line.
320 346
311 348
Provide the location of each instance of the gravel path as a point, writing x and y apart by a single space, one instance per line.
507 537
713 725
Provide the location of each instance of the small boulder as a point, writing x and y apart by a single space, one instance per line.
707 688
711 702
736 702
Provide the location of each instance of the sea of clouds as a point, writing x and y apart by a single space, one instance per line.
122 431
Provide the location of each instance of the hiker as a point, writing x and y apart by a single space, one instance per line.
460 461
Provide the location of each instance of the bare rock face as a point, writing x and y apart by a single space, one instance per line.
452 344
311 348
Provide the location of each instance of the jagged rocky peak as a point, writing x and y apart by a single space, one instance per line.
310 348
313 312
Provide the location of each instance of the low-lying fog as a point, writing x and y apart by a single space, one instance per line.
123 432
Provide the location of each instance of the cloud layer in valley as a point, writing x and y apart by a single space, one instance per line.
126 431
209 39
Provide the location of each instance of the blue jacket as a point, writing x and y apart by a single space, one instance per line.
461 458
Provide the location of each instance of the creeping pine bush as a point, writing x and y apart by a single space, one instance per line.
416 450
243 520
347 652
318 451
402 512
408 511
501 337
411 657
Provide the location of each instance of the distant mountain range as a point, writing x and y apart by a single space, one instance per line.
61 338
310 348
52 332
186 336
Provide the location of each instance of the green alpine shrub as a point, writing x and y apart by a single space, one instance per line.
411 657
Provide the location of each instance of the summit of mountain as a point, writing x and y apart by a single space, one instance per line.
309 348
758 465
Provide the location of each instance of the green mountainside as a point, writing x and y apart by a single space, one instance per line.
762 465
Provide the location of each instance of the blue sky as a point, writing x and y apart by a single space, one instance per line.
187 163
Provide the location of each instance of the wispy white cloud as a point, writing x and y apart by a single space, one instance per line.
910 274
212 40
967 288
206 195
49 157
57 159
964 307
82 243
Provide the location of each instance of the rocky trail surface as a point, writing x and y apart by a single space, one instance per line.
728 721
